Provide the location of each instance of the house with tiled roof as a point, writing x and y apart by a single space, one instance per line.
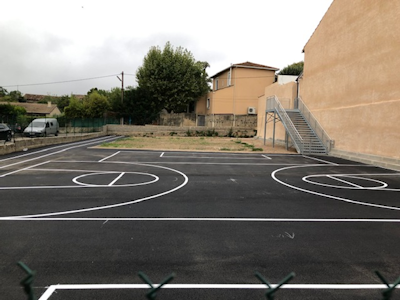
235 90
39 110
35 98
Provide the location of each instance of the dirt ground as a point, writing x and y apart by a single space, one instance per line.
209 144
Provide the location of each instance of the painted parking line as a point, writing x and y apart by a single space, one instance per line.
24 169
52 148
256 220
321 160
75 145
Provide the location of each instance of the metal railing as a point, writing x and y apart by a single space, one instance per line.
273 103
315 125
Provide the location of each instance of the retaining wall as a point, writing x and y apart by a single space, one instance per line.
156 130
21 144
213 120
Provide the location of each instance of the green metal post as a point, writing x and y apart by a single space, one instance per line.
151 295
271 291
27 281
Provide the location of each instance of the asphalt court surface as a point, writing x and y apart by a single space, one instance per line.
88 220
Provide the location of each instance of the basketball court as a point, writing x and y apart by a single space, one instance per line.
88 220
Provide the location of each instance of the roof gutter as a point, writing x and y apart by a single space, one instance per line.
245 67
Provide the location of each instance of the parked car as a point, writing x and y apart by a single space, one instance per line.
42 127
17 128
5 132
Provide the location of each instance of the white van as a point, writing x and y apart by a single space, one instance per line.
42 127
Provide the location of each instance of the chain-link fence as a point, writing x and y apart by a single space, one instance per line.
28 126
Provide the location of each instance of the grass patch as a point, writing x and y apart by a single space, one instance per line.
192 143
172 142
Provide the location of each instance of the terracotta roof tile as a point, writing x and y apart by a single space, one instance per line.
36 108
250 64
246 64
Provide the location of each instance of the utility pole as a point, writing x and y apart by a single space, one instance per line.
122 93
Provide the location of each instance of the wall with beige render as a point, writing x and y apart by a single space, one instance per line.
351 82
286 93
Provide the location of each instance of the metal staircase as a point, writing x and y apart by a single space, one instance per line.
305 132
311 143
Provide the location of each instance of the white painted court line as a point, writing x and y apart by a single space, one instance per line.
267 157
186 180
229 163
300 286
345 181
117 178
273 175
382 187
162 154
255 220
321 160
105 158
215 157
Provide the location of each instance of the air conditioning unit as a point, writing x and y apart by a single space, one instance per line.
251 110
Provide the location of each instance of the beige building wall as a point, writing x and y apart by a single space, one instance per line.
351 80
246 85
201 104
286 94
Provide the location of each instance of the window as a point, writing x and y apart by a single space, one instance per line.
216 83
208 103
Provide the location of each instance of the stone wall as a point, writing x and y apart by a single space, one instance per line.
181 119
156 130
215 121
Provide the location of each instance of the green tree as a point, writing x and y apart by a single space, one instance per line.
75 108
63 102
10 113
3 92
293 69
13 96
172 78
115 100
137 107
95 105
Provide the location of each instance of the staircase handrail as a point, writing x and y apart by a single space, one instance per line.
274 103
315 125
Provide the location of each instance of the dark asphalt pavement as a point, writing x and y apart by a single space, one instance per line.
79 216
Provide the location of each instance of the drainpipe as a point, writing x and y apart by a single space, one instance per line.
298 89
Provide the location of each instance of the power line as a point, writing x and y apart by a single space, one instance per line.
58 82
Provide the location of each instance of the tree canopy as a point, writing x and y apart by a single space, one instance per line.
293 69
172 78
3 92
94 105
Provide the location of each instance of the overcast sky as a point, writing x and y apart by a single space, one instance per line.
46 41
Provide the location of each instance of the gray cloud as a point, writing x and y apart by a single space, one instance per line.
43 58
